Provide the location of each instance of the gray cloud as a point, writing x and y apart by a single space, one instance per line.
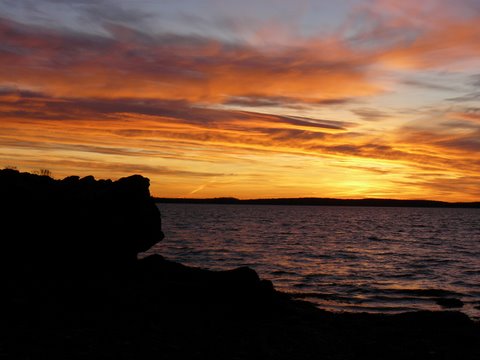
312 122
469 143
472 96
35 105
475 80
370 114
429 85
461 185
283 101
474 84
460 124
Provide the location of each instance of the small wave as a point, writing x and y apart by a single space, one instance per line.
437 261
282 272
360 290
471 272
318 295
379 239
406 275
420 265
347 256
300 285
379 309
423 292
399 299
313 276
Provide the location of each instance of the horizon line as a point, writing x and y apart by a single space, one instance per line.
315 200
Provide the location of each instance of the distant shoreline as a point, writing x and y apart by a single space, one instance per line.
323 202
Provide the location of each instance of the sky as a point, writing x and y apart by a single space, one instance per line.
249 99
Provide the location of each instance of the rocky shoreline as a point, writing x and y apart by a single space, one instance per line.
74 289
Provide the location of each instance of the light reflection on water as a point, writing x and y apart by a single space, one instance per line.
342 258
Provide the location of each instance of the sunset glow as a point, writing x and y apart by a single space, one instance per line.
249 99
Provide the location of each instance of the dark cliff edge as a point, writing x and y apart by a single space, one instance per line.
73 288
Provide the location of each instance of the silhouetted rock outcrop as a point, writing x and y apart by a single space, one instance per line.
182 284
73 231
77 239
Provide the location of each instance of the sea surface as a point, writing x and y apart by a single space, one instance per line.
369 259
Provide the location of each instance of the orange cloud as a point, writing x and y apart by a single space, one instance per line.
175 108
130 64
471 114
134 129
425 35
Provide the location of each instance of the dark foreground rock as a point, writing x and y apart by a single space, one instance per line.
72 288
450 303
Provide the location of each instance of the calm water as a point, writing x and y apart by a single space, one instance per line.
342 258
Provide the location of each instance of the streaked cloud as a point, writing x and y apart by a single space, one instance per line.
370 114
376 102
175 67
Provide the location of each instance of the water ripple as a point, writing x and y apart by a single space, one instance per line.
352 258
